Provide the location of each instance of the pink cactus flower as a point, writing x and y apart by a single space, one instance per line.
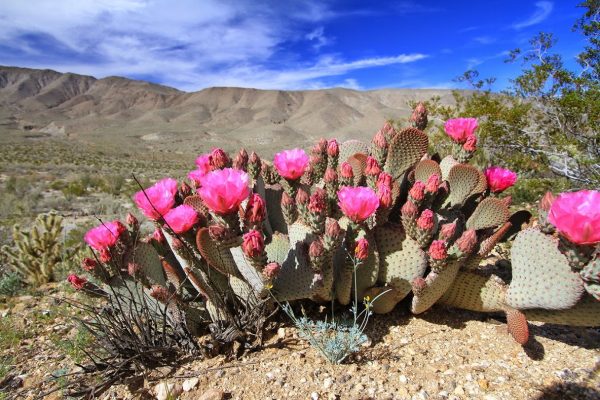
78 282
357 203
576 216
417 191
499 179
271 270
291 164
104 236
426 220
437 250
182 218
223 190
470 143
361 251
204 163
459 129
333 148
346 170
253 244
196 176
157 200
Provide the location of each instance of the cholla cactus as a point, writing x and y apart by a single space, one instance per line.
38 251
290 229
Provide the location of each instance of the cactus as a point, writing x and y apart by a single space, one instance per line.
37 252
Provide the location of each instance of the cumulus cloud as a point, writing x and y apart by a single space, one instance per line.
543 11
187 44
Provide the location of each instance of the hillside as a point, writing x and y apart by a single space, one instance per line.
136 115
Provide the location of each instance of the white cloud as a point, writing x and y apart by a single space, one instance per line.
484 40
543 10
188 44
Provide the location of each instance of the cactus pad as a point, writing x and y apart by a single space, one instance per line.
437 285
351 147
424 169
400 258
585 313
386 302
475 292
542 277
463 179
489 213
145 255
278 249
446 165
516 322
368 270
218 258
196 203
274 213
358 162
405 149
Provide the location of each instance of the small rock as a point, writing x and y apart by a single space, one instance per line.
314 396
212 394
327 383
483 383
281 333
459 390
443 394
403 393
403 379
219 373
189 384
167 390
270 376
490 397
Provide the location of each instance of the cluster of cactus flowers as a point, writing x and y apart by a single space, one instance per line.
244 229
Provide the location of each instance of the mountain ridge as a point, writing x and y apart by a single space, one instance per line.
132 113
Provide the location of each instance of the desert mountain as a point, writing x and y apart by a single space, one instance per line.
129 114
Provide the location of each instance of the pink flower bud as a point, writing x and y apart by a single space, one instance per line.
467 241
333 148
271 270
158 236
361 251
302 196
219 159
160 293
418 285
346 169
133 268
372 168
417 191
426 221
470 143
255 209
379 140
317 203
315 159
385 196
241 159
384 179
78 282
330 175
185 190
409 209
322 145
432 184
447 231
218 232
316 249
254 158
546 201
387 128
499 179
437 250
286 200
419 116
131 220
89 264
332 228
253 244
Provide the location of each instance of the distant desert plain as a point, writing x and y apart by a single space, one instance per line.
121 115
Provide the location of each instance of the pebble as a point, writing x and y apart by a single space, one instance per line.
212 394
281 333
327 383
189 384
314 396
403 379
166 390
459 390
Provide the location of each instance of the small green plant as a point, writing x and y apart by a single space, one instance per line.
341 336
10 284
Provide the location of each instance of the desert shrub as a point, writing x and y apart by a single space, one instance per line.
10 283
529 190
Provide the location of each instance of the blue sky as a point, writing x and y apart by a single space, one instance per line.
279 44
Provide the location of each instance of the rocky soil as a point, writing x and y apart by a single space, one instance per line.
443 354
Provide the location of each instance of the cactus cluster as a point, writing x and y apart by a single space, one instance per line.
292 234
39 250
